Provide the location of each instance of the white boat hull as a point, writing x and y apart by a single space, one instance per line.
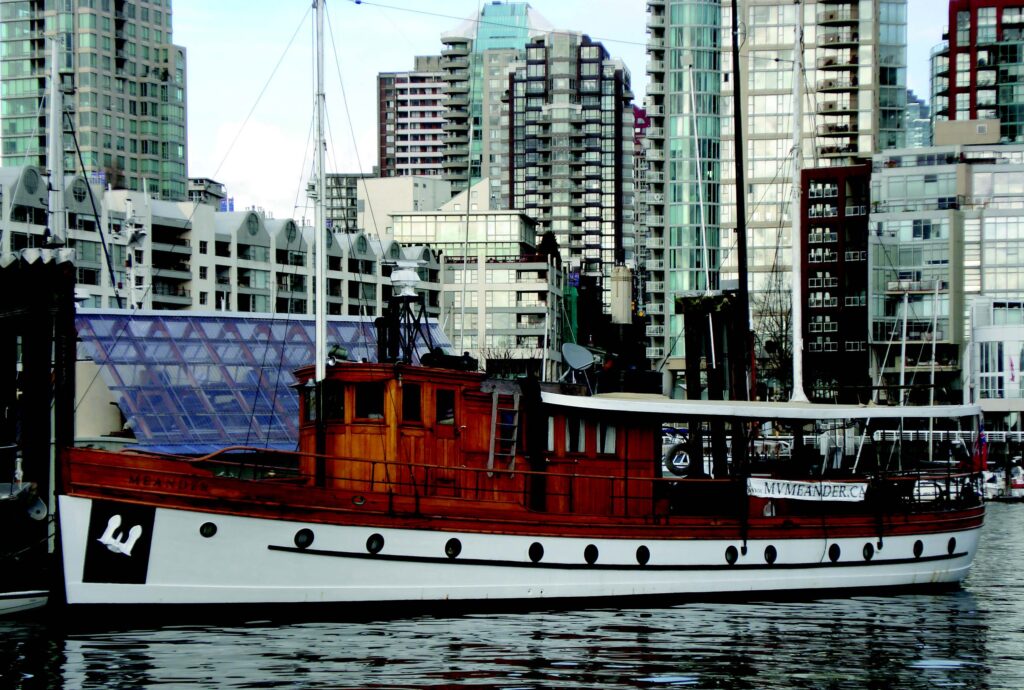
252 560
19 602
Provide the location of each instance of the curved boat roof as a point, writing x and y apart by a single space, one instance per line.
645 403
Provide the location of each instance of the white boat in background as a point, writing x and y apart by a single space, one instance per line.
1002 485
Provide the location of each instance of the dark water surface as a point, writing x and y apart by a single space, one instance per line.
971 638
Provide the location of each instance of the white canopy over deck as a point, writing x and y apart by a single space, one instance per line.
659 405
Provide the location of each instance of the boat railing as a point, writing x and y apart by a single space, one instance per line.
559 490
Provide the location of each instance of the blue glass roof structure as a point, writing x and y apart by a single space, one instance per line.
194 382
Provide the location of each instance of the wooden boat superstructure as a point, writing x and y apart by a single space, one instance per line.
436 483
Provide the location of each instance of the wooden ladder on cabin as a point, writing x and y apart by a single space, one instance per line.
504 428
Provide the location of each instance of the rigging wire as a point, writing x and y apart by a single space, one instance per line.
266 85
363 324
483 22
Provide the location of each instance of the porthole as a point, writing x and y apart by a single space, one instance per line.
834 552
590 554
374 543
358 500
643 555
452 548
208 529
869 551
731 554
951 546
536 552
770 554
918 548
303 538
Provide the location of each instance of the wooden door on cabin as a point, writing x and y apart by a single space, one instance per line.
447 442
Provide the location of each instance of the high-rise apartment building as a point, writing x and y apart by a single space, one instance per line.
683 171
410 120
853 97
917 122
976 73
475 62
572 151
124 88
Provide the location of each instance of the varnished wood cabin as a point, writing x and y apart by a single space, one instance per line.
429 432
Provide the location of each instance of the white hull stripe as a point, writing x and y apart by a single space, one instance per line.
613 566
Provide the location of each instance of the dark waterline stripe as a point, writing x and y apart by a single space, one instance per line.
600 566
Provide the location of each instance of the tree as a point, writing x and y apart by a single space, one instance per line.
773 338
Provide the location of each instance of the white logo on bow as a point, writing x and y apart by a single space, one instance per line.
112 536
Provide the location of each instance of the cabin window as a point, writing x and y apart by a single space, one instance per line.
551 434
370 400
605 438
334 401
411 411
575 435
445 406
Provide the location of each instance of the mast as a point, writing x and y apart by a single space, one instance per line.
55 155
319 221
743 293
797 312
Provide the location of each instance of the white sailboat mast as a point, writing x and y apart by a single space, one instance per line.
797 311
55 157
319 191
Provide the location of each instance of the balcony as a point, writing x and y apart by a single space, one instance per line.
836 129
655 221
901 286
831 62
838 17
456 50
655 352
656 331
837 84
838 39
655 243
827 107
654 133
656 308
837 151
656 287
655 66
656 21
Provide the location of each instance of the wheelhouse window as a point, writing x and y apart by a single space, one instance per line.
575 435
309 404
334 401
370 400
605 438
445 410
411 404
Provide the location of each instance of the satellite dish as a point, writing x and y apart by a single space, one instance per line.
577 357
